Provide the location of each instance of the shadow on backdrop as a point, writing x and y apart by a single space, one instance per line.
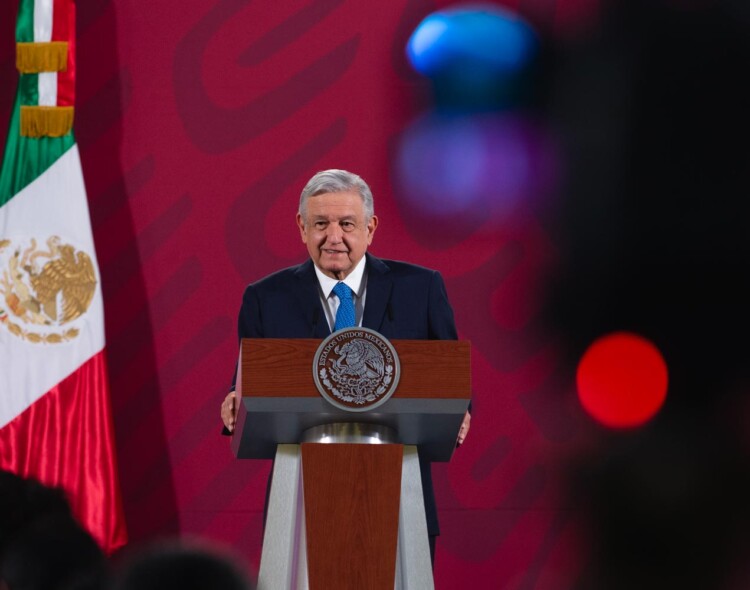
104 91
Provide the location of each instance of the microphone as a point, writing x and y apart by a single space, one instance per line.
315 320
389 311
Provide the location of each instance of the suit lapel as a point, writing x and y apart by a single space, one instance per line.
379 285
308 295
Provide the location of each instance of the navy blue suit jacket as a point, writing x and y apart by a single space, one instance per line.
403 301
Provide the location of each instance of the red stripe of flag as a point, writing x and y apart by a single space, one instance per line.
64 29
66 439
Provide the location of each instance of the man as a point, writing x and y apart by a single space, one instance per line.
337 222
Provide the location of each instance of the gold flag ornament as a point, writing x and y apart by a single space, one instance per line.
33 58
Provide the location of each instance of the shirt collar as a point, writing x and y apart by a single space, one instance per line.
353 279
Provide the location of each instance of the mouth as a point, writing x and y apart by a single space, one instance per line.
333 252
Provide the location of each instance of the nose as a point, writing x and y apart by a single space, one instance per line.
334 233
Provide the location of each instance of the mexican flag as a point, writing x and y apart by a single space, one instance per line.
55 414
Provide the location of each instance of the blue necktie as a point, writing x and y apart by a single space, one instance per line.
345 313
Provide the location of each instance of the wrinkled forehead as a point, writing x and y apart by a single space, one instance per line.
336 205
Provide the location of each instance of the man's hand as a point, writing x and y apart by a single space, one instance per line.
229 411
464 430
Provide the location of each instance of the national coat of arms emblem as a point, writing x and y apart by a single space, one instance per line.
44 290
356 369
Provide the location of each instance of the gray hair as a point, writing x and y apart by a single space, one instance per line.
337 181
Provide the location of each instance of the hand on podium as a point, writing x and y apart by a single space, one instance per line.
462 432
229 411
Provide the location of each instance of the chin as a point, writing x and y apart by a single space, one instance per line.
337 271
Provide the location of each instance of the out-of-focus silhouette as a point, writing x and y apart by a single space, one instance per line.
22 500
187 565
652 112
42 547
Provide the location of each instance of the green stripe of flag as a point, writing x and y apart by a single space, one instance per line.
25 22
26 158
28 89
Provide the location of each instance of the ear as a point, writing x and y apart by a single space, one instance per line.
301 226
372 225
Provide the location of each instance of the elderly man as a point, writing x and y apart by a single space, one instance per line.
342 285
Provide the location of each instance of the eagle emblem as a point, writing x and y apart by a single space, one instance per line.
356 369
45 289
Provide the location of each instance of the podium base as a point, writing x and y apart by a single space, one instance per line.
284 559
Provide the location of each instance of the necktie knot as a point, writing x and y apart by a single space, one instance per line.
345 312
342 291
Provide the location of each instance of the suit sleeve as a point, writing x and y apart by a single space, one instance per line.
442 323
249 322
248 326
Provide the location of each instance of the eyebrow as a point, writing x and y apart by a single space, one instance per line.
345 218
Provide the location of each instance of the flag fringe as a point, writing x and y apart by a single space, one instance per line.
33 58
46 121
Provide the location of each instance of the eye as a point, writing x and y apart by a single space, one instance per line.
347 225
320 224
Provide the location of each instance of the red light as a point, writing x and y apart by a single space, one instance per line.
622 380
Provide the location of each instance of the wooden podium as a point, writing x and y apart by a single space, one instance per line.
346 509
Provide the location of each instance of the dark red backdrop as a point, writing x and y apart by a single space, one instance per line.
198 122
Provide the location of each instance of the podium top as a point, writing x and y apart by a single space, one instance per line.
280 399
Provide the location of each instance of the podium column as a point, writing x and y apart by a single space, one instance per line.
342 516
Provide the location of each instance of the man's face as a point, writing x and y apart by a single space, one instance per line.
336 232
